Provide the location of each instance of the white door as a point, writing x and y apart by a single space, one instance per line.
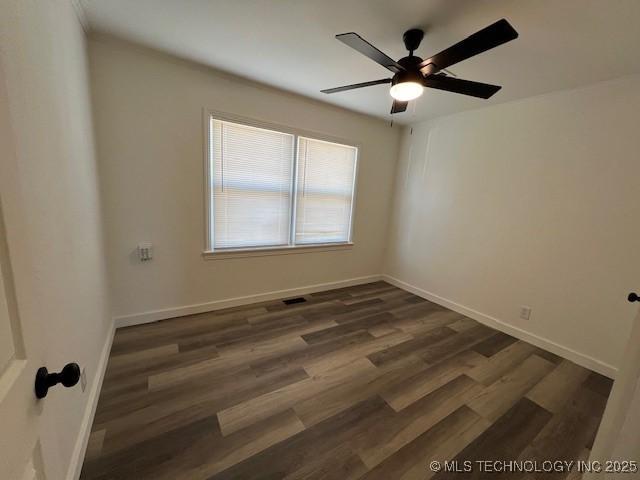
20 411
618 437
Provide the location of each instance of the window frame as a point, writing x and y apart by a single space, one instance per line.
209 252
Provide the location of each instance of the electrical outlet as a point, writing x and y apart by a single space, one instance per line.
83 379
525 312
145 251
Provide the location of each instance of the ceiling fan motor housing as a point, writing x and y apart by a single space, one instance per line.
412 72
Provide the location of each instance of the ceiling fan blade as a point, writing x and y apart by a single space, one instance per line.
358 43
356 85
457 85
486 39
398 106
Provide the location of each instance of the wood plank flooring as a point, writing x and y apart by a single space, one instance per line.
365 382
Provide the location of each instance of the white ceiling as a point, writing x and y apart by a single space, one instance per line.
290 44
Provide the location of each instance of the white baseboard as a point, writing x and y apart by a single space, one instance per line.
553 347
565 352
75 466
155 315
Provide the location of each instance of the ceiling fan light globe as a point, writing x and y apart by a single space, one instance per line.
406 91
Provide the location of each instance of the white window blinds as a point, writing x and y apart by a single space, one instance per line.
326 173
270 189
252 170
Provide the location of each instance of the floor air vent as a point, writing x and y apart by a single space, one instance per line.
291 301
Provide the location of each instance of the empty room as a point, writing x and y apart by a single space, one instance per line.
319 239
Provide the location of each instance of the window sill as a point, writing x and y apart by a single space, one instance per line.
268 251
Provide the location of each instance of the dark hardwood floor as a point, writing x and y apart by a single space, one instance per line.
365 382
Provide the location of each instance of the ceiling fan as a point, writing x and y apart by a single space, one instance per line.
412 73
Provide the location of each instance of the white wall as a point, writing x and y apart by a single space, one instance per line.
148 112
51 208
534 202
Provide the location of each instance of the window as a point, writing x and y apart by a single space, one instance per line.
251 178
276 189
326 173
